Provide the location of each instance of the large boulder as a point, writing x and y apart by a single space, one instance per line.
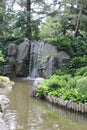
8 68
56 62
49 67
12 49
12 53
63 58
36 83
23 50
4 102
18 58
23 58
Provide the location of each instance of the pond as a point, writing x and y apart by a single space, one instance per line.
28 113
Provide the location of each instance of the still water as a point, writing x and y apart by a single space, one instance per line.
28 113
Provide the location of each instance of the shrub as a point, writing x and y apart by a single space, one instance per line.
81 71
82 84
5 82
63 43
66 87
73 46
76 63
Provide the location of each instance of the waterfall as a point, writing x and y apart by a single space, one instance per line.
38 57
35 57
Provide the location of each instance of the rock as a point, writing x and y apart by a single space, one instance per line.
12 50
12 60
36 83
49 68
23 58
8 69
18 58
12 53
39 55
63 58
56 62
4 101
23 50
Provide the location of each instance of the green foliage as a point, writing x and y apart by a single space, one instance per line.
64 19
66 87
76 63
76 48
82 84
73 46
50 28
63 43
42 89
81 71
5 82
22 24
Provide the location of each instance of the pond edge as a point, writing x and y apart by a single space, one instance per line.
77 107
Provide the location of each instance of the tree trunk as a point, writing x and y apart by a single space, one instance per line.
2 6
28 32
78 21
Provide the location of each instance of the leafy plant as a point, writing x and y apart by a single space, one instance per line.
81 71
73 46
66 87
82 84
76 63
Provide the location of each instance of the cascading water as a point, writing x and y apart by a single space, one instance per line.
35 58
38 57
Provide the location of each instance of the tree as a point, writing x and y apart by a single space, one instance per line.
77 15
30 17
70 15
2 17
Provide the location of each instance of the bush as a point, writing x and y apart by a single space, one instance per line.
56 82
76 63
82 84
81 71
73 46
66 87
5 82
63 43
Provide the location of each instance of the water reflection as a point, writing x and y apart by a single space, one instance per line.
27 113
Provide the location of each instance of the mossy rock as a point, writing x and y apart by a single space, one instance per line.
5 82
